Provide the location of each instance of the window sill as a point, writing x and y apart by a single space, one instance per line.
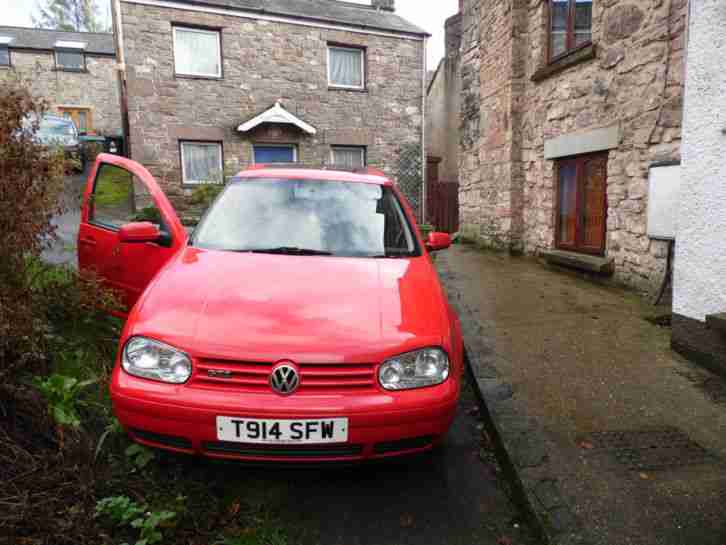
72 70
207 78
349 89
578 56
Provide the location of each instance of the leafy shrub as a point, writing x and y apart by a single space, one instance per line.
32 298
139 455
63 397
205 194
122 511
150 213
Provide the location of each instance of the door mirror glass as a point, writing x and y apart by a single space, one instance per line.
138 232
438 241
120 198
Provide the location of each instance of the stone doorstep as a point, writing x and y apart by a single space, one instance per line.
583 262
717 322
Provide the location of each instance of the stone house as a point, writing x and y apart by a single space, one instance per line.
75 72
699 306
213 86
566 105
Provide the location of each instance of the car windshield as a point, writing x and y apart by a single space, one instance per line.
307 217
52 129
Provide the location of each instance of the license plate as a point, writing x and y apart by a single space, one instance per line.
275 432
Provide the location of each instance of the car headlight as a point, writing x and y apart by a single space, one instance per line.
154 360
427 367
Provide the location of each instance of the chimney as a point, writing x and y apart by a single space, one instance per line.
386 5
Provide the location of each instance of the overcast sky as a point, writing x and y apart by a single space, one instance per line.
427 14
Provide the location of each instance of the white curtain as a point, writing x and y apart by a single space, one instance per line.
348 157
202 163
196 52
346 67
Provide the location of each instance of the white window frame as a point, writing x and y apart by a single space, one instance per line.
358 50
74 51
218 145
293 146
217 33
362 149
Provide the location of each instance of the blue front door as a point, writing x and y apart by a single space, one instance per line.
274 154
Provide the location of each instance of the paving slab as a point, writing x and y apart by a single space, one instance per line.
613 438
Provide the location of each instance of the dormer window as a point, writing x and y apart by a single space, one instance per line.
5 51
70 56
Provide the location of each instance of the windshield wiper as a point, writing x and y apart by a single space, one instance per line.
285 250
393 254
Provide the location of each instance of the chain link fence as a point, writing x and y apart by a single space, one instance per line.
410 176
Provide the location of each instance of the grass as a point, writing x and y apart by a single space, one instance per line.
113 187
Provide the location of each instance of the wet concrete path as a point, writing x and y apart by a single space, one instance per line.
635 436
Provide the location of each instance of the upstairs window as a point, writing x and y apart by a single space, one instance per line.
70 56
346 67
4 55
5 50
570 26
197 52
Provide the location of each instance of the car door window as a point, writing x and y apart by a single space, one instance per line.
119 198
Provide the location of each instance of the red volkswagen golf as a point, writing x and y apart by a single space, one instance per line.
302 321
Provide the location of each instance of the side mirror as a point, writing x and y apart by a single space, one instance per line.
438 241
138 232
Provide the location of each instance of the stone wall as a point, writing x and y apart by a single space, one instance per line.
633 79
264 62
470 207
96 89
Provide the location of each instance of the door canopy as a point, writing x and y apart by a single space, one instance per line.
279 115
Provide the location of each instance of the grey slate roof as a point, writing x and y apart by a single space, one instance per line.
33 38
330 11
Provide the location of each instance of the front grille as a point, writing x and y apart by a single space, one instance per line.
253 377
403 445
159 439
283 451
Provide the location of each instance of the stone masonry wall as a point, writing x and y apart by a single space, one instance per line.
264 62
97 88
635 80
470 205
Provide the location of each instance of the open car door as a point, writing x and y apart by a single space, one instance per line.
128 230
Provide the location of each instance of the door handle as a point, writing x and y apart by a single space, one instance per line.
88 241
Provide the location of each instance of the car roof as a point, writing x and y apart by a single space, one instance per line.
314 174
57 118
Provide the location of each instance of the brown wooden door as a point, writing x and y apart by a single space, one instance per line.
582 204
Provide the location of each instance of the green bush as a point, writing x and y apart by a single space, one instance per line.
124 512
63 396
31 294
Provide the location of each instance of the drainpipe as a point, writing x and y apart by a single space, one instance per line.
423 132
121 74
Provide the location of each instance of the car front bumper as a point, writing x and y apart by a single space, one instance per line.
380 424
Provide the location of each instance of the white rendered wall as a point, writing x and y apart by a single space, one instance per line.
700 266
